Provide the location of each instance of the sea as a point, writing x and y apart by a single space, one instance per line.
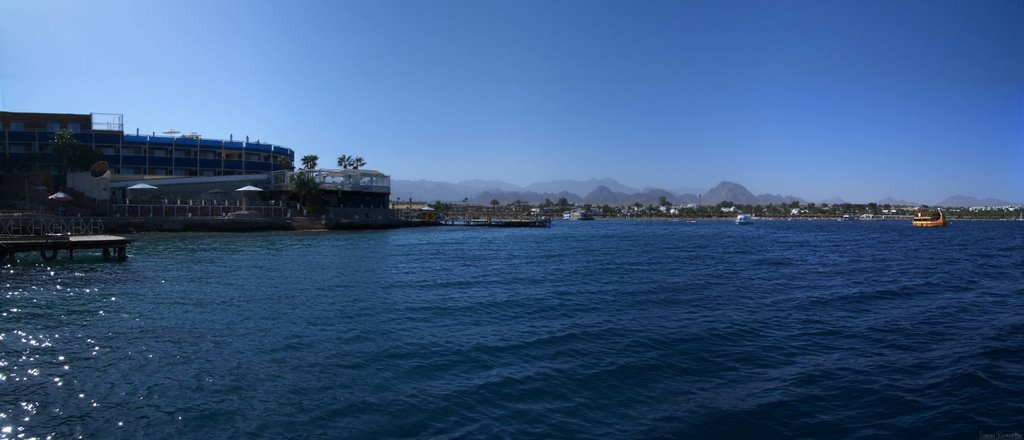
584 330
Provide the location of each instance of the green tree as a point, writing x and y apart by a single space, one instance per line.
73 154
354 162
285 163
309 161
305 188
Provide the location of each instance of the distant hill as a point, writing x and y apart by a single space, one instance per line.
579 186
968 201
505 197
610 192
776 199
895 202
487 185
731 192
603 195
426 190
833 201
736 193
687 191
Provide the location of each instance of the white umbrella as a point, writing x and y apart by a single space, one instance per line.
247 188
60 196
137 186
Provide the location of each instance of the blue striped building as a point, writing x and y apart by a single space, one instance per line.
25 144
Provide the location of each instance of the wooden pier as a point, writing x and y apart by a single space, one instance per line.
499 223
49 246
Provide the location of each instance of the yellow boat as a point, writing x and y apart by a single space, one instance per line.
929 220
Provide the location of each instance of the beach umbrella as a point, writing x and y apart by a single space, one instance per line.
60 196
138 186
245 189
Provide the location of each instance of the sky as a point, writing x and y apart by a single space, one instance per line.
862 100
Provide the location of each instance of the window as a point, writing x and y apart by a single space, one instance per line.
74 127
52 126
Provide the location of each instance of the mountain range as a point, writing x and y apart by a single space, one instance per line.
610 192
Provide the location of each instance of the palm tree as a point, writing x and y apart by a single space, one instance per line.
285 163
305 187
63 142
357 162
309 161
344 161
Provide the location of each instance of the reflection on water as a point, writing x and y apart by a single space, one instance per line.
586 329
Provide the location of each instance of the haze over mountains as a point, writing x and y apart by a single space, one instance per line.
610 192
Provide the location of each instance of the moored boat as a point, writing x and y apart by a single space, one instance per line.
577 215
929 220
744 219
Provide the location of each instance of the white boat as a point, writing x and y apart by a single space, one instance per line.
744 219
577 215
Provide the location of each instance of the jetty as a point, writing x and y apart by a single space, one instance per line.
499 223
49 246
50 235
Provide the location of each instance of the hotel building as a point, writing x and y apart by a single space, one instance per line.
25 142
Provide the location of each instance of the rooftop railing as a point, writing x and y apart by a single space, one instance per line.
107 121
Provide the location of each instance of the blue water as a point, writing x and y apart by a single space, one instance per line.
604 329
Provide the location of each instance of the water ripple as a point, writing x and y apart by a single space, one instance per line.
585 330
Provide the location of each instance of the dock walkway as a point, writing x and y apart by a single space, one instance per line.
48 246
499 223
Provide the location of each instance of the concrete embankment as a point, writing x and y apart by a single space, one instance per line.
195 224
228 224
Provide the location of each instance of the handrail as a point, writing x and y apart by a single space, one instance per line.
195 211
51 226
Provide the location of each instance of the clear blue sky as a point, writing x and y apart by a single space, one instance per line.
916 100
